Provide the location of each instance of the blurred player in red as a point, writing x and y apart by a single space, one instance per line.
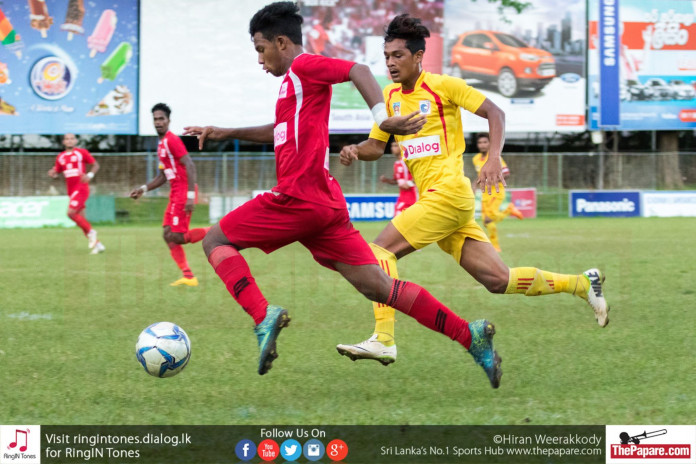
408 194
79 167
307 205
175 166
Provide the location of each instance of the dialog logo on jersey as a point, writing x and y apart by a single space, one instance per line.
280 134
651 443
421 147
20 444
245 450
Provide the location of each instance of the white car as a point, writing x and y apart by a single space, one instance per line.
682 90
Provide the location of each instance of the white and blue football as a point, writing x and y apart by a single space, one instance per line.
163 349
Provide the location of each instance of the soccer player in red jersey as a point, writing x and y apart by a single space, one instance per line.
175 166
403 178
79 167
307 205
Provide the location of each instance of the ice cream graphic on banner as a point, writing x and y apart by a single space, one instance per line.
103 31
73 18
39 17
114 64
9 37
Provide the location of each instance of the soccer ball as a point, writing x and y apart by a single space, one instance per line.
163 349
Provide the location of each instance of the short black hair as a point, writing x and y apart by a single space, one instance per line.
482 135
162 107
279 18
408 28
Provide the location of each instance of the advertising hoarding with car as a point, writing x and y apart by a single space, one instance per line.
531 64
657 64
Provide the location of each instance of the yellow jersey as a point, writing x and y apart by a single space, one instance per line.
434 155
479 160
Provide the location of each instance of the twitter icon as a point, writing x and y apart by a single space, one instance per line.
290 450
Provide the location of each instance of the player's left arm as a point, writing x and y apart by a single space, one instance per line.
368 87
91 167
191 172
491 172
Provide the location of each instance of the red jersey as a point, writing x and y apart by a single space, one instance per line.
401 172
72 165
170 150
301 130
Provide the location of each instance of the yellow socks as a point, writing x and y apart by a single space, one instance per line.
384 315
532 282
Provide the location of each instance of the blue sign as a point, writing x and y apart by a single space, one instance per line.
609 63
72 67
371 207
605 203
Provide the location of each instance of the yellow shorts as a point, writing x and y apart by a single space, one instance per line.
443 218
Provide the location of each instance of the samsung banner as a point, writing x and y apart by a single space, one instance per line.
69 66
656 60
607 203
371 207
609 63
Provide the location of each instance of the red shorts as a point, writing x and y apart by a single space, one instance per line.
271 221
79 197
176 217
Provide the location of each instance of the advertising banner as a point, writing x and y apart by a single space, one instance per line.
669 204
371 207
609 63
26 212
532 64
657 64
69 66
524 200
606 203
354 30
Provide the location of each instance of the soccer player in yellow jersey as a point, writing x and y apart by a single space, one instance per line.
444 212
490 202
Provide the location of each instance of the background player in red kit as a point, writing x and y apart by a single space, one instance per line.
403 178
79 167
175 166
307 205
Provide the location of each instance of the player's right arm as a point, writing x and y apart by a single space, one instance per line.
367 150
157 182
259 134
53 172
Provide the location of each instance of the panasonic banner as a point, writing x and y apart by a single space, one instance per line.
605 203
609 52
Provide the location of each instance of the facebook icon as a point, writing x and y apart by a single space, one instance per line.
245 450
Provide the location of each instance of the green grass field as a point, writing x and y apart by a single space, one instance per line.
69 322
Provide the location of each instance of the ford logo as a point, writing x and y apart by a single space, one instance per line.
570 77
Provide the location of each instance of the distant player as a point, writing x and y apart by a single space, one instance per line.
79 167
307 205
403 178
175 166
444 212
490 202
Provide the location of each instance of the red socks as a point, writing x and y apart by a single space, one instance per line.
234 272
179 257
195 235
81 222
417 302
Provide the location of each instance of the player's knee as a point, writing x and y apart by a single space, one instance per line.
497 283
213 239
